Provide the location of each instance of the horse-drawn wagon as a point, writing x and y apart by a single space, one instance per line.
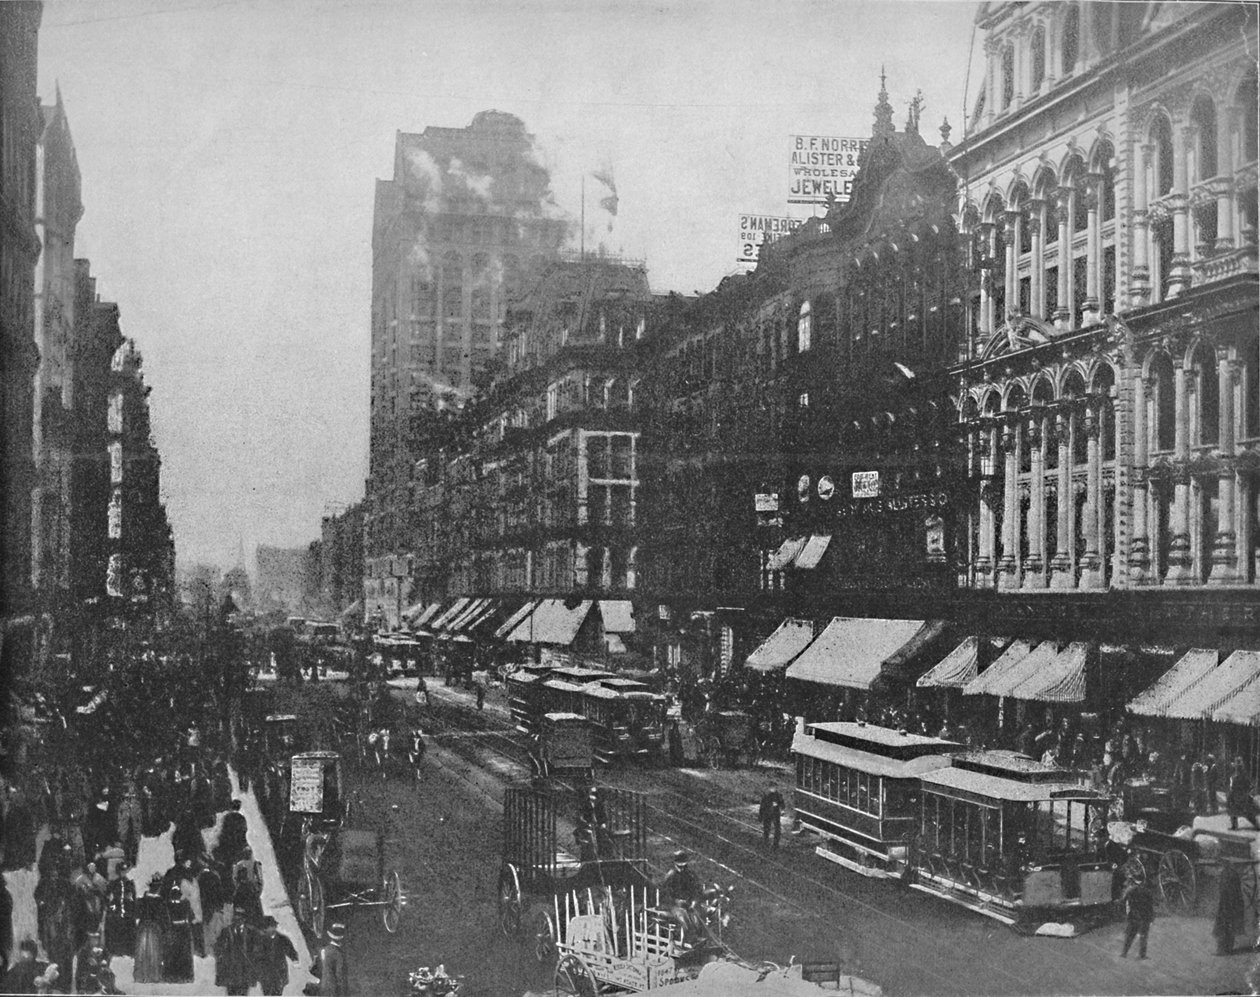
721 737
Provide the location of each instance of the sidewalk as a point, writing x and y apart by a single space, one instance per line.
155 857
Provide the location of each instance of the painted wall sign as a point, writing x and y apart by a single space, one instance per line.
823 168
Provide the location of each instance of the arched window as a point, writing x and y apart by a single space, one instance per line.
804 329
1203 120
1247 101
1104 166
1251 391
1038 57
1208 394
1071 39
1074 389
1165 402
1161 139
1104 382
1008 75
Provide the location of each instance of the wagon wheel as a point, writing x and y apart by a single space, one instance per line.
1133 869
544 938
310 909
509 902
1249 887
753 749
1177 879
392 901
713 752
573 976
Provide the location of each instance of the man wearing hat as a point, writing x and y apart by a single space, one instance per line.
683 889
90 963
235 954
330 966
275 952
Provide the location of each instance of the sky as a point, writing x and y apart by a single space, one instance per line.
228 152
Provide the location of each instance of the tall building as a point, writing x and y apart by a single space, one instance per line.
20 128
467 214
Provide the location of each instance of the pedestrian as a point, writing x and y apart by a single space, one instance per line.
1198 785
190 889
91 964
120 914
1213 784
1229 910
422 692
21 976
151 920
276 951
100 827
1139 912
213 903
330 965
771 812
1239 802
480 688
130 820
19 831
247 895
235 955
177 948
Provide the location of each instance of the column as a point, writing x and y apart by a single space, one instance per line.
984 561
1229 125
1034 573
992 94
1061 573
986 279
1008 567
1092 307
1063 310
1021 66
1179 564
1012 282
1051 24
1139 543
1037 289
1224 554
1140 279
1091 562
1180 202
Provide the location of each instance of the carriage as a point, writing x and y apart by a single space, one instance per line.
598 915
343 868
563 747
722 737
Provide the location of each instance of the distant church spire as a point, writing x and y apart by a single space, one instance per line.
883 110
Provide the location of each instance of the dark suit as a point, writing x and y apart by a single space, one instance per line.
330 967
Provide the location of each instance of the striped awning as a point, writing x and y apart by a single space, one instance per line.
999 671
1215 687
618 615
552 622
786 554
851 652
441 621
956 669
812 553
1062 681
1155 701
461 619
1243 707
781 647
510 624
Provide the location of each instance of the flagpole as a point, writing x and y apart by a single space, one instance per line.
582 243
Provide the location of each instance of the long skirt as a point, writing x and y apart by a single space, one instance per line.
120 934
215 923
148 968
178 956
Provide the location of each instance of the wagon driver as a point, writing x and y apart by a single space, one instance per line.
683 889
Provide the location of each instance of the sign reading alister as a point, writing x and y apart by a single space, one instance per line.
823 168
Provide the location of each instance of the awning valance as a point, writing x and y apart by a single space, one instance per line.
1021 670
1215 687
851 651
786 554
1061 681
1155 701
812 553
552 623
782 646
957 668
1243 707
510 624
618 616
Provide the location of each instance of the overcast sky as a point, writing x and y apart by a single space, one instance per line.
228 152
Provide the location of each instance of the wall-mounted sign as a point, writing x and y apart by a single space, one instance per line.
114 576
767 501
823 168
115 463
802 487
865 484
756 230
826 487
306 789
115 514
893 503
935 539
115 415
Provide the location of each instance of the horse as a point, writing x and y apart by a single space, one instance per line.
415 750
378 744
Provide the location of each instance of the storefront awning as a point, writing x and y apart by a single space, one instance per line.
1000 669
812 553
443 619
1155 701
1022 675
1215 687
1243 707
552 623
467 615
782 646
618 616
956 669
851 652
510 624
1061 681
483 613
786 554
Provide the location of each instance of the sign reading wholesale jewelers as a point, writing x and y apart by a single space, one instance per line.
755 230
823 168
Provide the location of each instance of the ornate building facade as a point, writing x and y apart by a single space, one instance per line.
1109 393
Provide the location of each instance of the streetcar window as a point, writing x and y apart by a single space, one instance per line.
829 782
800 771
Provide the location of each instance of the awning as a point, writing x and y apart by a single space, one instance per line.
618 615
1243 707
354 609
1022 674
1000 669
466 615
782 646
442 621
1214 688
427 614
508 625
1194 664
483 613
786 554
411 612
956 669
552 623
851 651
1062 681
813 551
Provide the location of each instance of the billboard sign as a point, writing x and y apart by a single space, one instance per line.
754 230
865 484
823 168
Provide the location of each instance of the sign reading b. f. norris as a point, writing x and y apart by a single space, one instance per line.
823 168
754 230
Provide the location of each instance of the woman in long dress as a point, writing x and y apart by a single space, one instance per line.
178 950
151 911
120 914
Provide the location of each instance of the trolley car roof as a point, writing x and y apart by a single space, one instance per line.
866 761
952 781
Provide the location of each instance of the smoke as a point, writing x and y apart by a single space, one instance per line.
609 202
424 179
475 182
443 392
418 259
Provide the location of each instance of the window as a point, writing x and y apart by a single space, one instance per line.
1247 100
1165 402
1038 58
1203 120
804 329
1008 75
1161 138
1071 39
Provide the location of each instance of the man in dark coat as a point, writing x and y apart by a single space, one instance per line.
330 965
19 832
1139 912
235 955
276 951
91 966
1230 910
771 813
231 835
1240 802
20 979
100 827
120 914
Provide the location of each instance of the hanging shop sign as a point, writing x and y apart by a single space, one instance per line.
826 488
917 501
865 484
767 501
306 789
756 230
823 168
